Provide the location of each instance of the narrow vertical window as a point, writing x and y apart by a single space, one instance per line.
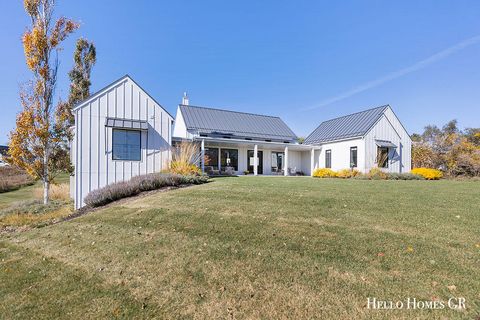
353 157
382 157
328 158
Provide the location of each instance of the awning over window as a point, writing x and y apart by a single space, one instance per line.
126 124
385 144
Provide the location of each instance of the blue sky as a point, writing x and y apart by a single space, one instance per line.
305 61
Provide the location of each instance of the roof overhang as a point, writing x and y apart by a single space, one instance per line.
126 124
261 144
385 144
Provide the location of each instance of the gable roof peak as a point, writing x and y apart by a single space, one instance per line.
349 126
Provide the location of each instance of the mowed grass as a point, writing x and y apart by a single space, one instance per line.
26 193
254 247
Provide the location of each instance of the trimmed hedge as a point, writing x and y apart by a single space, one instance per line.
137 184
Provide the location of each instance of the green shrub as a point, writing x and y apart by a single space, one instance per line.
404 176
137 184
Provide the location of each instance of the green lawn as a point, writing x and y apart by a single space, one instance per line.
26 193
257 248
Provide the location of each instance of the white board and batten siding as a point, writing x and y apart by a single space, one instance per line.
389 128
386 128
92 145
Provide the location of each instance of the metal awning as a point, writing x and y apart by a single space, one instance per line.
385 144
126 124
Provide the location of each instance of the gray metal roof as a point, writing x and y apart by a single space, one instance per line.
126 124
349 126
236 124
385 143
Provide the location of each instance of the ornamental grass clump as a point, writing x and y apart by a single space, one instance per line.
185 157
376 174
134 186
324 173
427 173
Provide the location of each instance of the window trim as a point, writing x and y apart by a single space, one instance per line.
387 160
328 152
354 148
229 150
113 144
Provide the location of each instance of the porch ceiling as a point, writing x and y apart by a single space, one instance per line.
235 143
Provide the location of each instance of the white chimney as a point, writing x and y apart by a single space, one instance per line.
185 99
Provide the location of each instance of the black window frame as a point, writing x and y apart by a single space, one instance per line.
353 150
277 154
215 160
139 145
387 160
231 150
328 158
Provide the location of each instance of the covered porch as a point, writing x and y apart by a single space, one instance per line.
236 156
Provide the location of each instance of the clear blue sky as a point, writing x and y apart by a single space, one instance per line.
305 61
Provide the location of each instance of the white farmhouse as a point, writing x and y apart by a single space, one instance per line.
120 132
364 140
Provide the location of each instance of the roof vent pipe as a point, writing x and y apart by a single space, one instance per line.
185 99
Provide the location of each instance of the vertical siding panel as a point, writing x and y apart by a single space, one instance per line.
78 125
85 151
90 173
99 156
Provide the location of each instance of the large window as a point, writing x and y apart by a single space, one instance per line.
382 157
211 158
353 157
328 158
277 161
126 145
229 158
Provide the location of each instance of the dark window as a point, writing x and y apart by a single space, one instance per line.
229 158
328 158
126 145
277 161
353 157
211 158
382 157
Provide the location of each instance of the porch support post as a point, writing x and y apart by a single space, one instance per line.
255 160
203 155
285 169
312 162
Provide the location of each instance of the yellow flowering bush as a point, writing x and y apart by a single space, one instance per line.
347 173
324 173
427 173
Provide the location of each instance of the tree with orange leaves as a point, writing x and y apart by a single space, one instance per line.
35 143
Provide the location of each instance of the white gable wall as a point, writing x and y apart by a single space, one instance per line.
341 154
389 128
180 128
92 145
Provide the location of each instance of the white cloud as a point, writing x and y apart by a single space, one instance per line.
397 74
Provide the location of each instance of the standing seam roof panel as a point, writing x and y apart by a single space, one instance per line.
353 125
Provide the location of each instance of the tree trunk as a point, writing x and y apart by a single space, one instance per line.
46 178
46 190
